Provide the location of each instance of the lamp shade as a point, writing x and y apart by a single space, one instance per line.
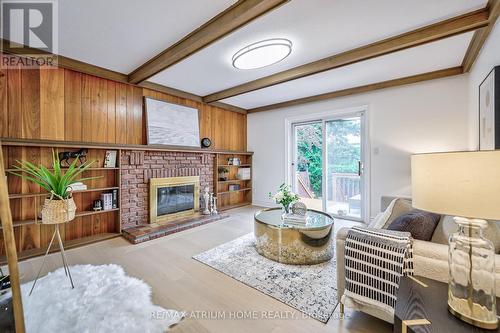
465 184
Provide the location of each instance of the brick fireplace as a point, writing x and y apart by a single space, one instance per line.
138 167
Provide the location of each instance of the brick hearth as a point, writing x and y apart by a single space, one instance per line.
139 166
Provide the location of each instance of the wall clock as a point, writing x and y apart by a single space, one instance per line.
206 142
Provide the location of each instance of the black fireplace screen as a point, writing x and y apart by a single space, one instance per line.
174 199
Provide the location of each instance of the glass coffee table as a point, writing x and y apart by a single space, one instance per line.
291 244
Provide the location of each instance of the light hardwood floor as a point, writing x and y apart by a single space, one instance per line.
179 282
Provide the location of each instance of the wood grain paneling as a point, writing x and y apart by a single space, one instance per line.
14 103
30 91
111 114
64 105
98 109
73 106
121 113
51 104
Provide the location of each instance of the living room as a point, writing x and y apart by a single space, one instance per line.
249 166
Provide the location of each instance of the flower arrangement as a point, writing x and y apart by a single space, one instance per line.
284 196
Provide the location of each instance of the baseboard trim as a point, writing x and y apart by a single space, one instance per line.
263 204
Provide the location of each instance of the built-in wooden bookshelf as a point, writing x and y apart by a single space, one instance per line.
226 198
26 199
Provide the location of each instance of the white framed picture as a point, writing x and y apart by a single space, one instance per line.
489 111
110 159
171 124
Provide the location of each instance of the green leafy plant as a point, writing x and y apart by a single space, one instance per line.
284 196
56 181
223 170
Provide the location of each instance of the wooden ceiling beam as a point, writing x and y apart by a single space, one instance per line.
233 18
447 28
480 36
363 89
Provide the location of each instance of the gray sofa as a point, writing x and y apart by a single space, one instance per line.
430 260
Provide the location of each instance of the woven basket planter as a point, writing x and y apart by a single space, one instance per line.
58 211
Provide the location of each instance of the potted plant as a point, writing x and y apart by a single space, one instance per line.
223 173
59 207
284 197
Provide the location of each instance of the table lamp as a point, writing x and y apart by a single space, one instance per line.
465 185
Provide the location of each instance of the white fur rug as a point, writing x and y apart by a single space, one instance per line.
104 300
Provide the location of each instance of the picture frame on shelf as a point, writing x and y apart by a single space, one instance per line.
110 159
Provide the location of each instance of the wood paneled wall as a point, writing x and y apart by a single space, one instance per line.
60 104
226 129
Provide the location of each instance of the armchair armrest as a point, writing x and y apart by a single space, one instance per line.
339 252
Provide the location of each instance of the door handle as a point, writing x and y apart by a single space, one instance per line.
360 168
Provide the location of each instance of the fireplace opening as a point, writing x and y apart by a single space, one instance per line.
173 198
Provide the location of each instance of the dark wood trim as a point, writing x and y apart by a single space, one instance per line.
233 18
68 63
229 107
363 89
444 29
480 36
170 91
184 94
72 144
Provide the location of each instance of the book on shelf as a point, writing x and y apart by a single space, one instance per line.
244 173
115 198
107 201
78 186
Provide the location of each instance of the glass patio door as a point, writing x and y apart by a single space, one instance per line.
327 165
344 167
307 165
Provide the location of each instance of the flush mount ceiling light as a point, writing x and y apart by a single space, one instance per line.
262 54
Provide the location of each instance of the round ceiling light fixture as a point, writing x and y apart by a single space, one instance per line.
261 54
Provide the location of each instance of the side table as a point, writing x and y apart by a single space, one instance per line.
422 307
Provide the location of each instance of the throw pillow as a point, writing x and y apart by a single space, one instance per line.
401 206
420 224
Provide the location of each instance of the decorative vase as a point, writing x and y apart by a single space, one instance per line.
286 209
471 288
223 175
55 211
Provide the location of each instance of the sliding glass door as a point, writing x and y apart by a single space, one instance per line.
327 165
307 167
344 167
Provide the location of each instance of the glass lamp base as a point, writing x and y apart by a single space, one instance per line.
461 309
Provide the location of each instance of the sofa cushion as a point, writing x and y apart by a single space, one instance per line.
401 206
420 224
447 226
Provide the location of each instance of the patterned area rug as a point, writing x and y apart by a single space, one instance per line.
309 289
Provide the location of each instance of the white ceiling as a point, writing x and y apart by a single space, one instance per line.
430 57
121 35
317 28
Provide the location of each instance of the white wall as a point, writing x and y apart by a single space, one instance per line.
423 117
488 58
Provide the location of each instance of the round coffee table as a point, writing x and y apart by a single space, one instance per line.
291 244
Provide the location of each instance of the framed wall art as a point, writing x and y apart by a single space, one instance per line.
171 124
489 111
